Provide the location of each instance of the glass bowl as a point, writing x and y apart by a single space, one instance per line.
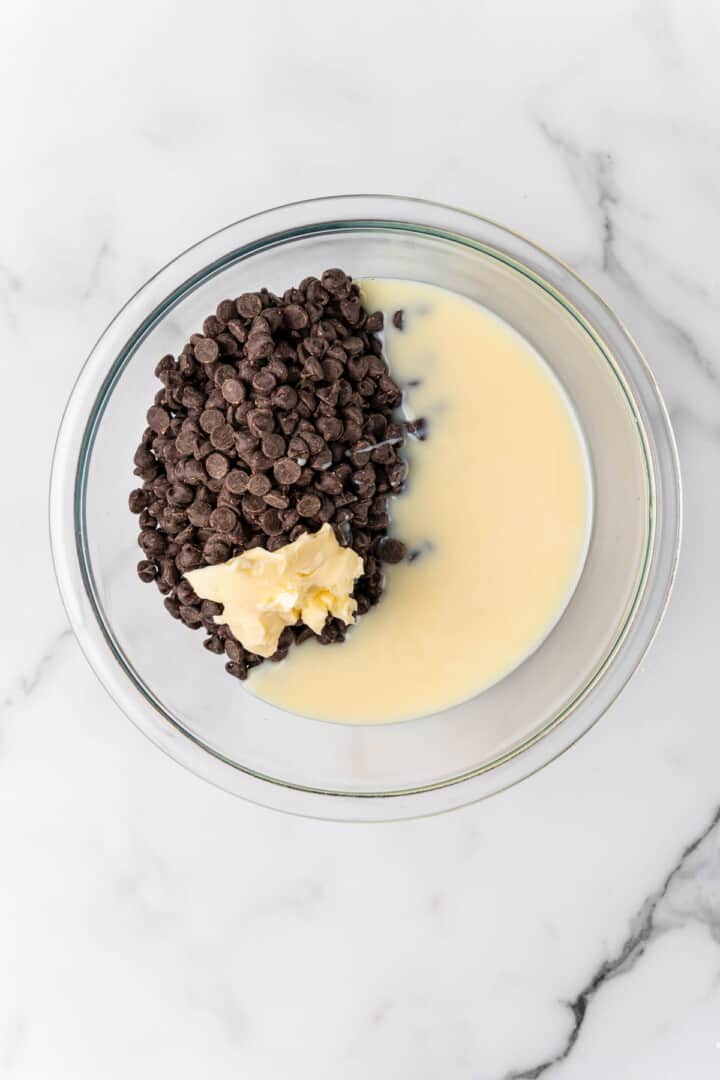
178 693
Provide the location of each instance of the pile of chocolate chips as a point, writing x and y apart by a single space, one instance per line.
275 419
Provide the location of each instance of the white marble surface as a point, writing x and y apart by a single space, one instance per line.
151 926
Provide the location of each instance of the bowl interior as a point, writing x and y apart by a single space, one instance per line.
187 686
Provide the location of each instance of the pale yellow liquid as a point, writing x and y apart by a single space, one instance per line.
498 504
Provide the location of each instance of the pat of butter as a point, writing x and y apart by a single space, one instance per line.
262 592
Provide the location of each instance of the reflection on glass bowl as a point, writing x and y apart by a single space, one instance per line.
174 690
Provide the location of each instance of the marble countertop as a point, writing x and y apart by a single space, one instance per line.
152 926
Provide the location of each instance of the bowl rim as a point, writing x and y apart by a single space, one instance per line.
286 222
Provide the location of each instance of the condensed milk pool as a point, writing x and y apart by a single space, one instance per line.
498 513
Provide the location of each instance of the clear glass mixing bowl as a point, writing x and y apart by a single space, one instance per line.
177 692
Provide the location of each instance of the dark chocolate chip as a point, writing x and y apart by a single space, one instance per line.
286 471
296 317
158 419
233 391
190 558
391 550
217 466
308 506
273 446
418 428
225 310
216 550
259 484
236 481
223 519
147 570
277 500
207 350
249 305
138 500
260 422
223 437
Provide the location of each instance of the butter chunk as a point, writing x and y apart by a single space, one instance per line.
262 592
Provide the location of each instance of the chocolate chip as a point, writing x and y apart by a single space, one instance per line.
418 428
158 419
391 550
236 481
351 309
312 370
298 449
152 542
223 519
199 514
225 310
186 442
259 484
252 505
211 419
239 671
169 574
309 505
245 442
384 455
260 462
217 466
260 422
207 350
147 570
330 427
357 367
270 522
277 500
214 644
137 501
336 282
216 550
286 471
274 543
329 483
223 437
259 346
249 305
397 474
191 616
166 364
332 371
233 391
296 317
190 557
322 460
315 346
172 606
285 397
273 446
194 472
288 422
264 382
228 344
238 330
